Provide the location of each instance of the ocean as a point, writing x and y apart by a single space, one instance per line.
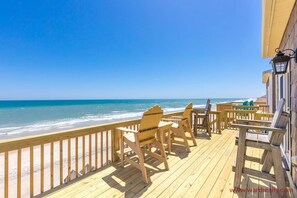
30 117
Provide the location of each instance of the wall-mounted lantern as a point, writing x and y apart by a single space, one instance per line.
280 61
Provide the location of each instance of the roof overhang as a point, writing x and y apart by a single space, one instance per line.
265 76
275 17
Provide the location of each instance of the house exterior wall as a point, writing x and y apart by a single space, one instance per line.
289 40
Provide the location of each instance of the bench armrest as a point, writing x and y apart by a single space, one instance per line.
253 121
259 128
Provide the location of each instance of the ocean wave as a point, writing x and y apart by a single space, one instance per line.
63 124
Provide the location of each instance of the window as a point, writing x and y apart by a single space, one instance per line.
281 87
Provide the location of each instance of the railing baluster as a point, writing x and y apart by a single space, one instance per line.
69 159
31 171
61 162
106 132
76 156
83 154
6 174
211 120
101 148
42 168
96 151
113 144
90 151
19 184
52 164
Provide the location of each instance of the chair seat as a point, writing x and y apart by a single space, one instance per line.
174 125
201 115
255 137
130 137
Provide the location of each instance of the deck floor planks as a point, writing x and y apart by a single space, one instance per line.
183 183
229 185
224 169
109 181
87 181
218 186
199 181
202 146
174 176
139 189
176 162
82 182
208 167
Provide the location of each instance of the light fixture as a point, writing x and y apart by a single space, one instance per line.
280 61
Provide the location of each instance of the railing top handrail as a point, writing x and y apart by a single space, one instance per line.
265 114
215 112
243 106
240 111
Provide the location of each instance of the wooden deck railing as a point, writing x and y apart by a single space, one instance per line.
231 115
215 119
238 106
50 160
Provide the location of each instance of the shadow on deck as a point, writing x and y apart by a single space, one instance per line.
205 172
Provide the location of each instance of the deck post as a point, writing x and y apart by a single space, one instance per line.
219 120
225 119
115 144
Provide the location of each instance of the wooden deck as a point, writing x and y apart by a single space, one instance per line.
205 172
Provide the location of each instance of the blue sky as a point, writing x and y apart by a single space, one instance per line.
75 49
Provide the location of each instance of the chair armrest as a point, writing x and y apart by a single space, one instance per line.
259 128
180 117
164 124
201 115
253 121
126 130
171 119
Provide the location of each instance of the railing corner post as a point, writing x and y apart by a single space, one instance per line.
219 122
115 144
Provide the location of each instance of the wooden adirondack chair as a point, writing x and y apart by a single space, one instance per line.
181 128
270 142
140 141
205 124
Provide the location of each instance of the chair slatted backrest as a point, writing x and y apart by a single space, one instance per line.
149 124
188 112
276 120
151 118
207 110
